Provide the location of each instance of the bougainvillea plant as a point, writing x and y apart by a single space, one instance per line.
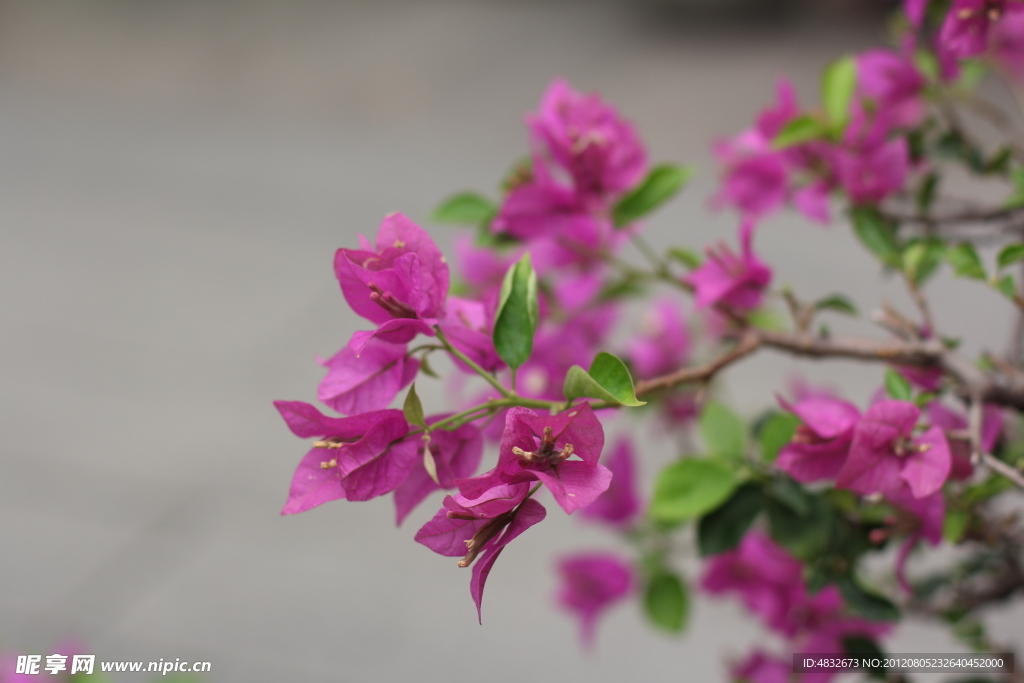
786 509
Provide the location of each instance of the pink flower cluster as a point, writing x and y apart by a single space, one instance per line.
770 583
868 162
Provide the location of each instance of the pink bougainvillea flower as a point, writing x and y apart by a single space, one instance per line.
591 583
885 452
1006 44
620 504
663 343
589 140
540 207
541 447
481 529
737 281
365 455
368 381
759 667
821 443
456 454
894 84
915 11
756 178
468 329
966 29
767 578
400 284
526 515
950 420
871 168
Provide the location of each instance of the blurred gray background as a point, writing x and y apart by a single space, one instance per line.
174 180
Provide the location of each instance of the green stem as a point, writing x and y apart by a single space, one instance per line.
491 379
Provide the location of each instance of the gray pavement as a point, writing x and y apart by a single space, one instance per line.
174 179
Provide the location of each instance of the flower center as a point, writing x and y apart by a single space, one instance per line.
389 303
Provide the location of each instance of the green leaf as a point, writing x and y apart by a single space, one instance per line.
666 602
836 302
466 207
413 409
921 258
427 369
690 488
867 603
516 318
657 188
1007 287
805 534
863 648
926 193
722 529
800 129
1016 200
877 234
687 257
607 379
777 431
954 525
1010 254
723 432
837 87
897 386
965 261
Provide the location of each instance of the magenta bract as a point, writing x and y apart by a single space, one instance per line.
368 381
404 276
591 583
885 452
820 445
368 459
738 281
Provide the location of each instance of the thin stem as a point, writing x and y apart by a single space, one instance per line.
491 379
648 252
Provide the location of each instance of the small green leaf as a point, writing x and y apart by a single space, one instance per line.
954 525
800 129
999 163
1007 287
837 85
607 379
690 488
413 409
867 650
687 257
777 431
466 207
897 386
722 529
867 603
926 193
806 534
1016 200
516 318
836 302
921 258
723 432
877 234
1010 254
666 602
426 368
657 188
965 261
